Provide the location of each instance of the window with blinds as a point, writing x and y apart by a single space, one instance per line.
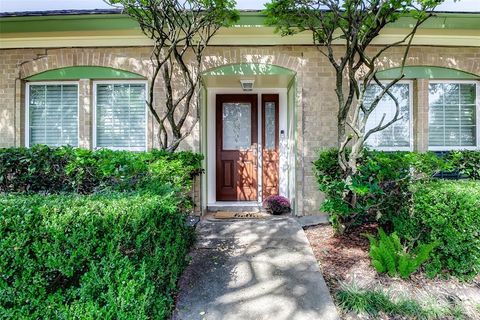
121 116
452 115
53 114
398 135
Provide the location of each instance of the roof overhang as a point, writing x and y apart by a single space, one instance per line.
101 29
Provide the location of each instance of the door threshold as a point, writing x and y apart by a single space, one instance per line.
235 206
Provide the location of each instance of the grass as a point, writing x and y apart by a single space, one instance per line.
351 298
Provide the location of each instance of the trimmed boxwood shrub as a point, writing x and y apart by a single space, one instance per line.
92 234
111 256
65 169
447 212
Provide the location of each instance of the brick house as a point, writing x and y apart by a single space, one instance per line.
79 78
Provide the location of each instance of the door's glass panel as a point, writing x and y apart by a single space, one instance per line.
270 125
237 126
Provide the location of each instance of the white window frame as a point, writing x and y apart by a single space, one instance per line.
94 114
410 101
27 107
477 114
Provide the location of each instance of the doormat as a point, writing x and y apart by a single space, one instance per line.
240 215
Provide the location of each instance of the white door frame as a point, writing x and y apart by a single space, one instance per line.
211 139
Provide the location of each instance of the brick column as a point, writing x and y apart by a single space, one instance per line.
85 113
420 115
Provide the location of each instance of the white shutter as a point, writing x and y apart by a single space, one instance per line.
121 116
53 114
397 135
452 115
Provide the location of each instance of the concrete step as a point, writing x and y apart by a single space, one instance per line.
235 207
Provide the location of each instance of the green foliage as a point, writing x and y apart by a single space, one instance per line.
373 302
379 188
388 255
447 212
349 17
110 256
397 190
214 12
467 162
114 252
54 170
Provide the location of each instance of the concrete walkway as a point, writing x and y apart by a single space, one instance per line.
253 270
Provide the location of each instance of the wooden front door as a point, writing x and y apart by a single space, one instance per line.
236 147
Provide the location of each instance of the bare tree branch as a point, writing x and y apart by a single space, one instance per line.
180 32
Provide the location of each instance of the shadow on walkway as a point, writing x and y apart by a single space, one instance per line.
253 269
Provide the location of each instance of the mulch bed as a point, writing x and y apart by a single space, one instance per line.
344 259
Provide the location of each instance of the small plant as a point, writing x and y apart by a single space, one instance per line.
389 256
352 298
277 205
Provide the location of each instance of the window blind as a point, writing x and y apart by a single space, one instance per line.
397 135
53 114
452 115
120 116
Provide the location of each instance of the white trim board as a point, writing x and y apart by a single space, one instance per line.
284 140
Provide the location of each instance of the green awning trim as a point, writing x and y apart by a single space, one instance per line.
427 72
249 69
83 72
89 22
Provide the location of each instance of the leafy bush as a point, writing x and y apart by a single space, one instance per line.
277 205
378 189
388 255
65 169
447 212
467 162
110 256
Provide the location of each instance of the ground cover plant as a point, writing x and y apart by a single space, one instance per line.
390 256
359 291
376 302
92 234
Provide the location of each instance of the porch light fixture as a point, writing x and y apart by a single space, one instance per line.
247 85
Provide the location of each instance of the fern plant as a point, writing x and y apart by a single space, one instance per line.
388 255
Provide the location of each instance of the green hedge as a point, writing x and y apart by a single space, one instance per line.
466 162
380 186
447 212
115 256
55 170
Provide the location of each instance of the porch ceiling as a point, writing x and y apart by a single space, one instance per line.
233 81
265 76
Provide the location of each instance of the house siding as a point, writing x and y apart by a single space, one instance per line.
316 104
